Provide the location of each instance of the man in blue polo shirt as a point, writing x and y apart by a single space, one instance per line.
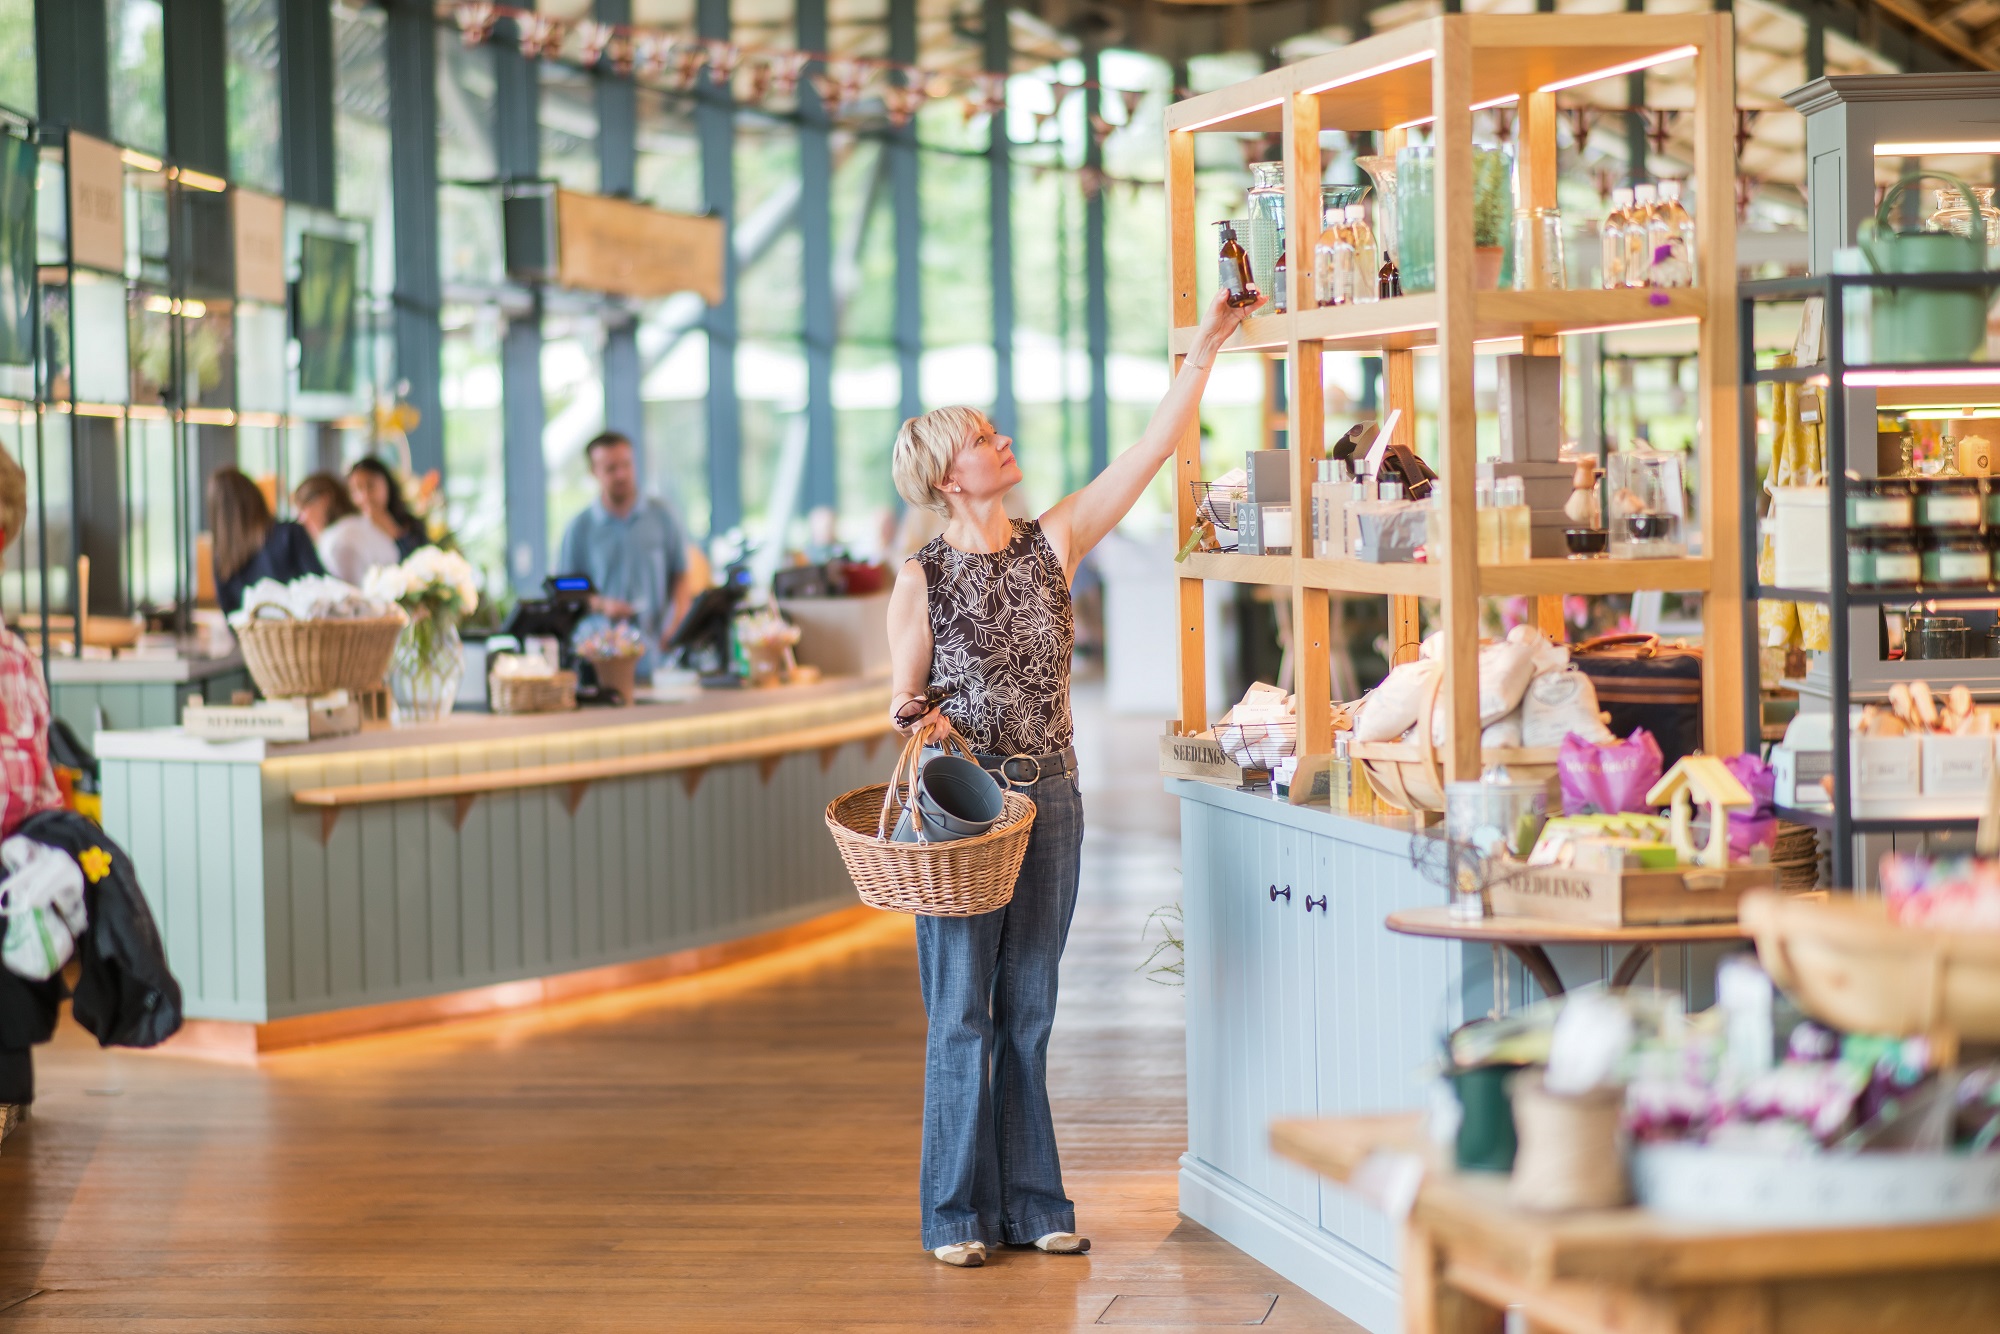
633 548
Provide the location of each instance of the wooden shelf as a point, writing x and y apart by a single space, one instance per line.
1412 321
1386 80
1232 567
1451 66
1556 578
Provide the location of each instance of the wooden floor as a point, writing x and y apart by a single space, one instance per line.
736 1152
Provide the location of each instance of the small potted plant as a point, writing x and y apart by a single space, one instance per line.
437 588
1492 215
614 651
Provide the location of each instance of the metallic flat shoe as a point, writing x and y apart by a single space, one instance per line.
1063 1243
964 1254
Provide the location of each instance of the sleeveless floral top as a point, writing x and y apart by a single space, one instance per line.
1002 633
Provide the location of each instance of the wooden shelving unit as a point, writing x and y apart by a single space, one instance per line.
1436 72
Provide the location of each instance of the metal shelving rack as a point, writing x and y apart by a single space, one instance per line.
1435 73
1835 372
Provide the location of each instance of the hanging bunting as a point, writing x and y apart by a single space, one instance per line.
758 77
723 58
475 22
1746 121
1131 97
687 60
1580 120
786 67
595 39
1660 129
539 33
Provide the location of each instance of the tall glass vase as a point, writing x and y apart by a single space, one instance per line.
1382 172
428 664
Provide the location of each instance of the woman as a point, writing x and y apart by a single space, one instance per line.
375 493
348 545
248 544
985 608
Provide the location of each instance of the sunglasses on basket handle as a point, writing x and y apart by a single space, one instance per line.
914 710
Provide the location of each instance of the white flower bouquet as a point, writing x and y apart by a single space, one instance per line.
431 583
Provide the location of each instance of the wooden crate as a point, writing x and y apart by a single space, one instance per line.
1628 898
1201 756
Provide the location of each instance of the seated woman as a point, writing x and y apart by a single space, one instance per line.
380 500
250 544
348 545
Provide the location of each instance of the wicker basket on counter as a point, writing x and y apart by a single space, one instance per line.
532 694
287 656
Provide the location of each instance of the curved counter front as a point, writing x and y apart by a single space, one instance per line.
325 889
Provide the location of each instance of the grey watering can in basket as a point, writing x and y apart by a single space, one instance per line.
1926 324
953 798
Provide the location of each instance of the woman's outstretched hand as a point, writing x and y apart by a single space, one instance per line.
1221 321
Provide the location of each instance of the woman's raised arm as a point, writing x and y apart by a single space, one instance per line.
1079 521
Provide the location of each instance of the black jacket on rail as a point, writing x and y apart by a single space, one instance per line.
126 996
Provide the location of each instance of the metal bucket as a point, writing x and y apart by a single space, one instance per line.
1925 325
954 798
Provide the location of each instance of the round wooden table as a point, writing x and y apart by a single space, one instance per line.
1526 936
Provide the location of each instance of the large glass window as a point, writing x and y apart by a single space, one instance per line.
569 127
473 462
362 180
867 381
17 55
673 347
255 117
770 356
134 32
573 408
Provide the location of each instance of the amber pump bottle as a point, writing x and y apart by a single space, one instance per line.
1234 265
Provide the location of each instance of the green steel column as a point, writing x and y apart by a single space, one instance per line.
517 152
1637 149
1096 276
196 61
816 238
305 90
904 207
71 77
617 174
715 121
410 48
998 59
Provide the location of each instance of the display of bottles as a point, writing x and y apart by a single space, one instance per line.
1674 227
1638 237
1233 270
1510 500
1615 226
1648 238
1487 515
1362 238
1333 495
1333 261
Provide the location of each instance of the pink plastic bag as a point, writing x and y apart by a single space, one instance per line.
1761 825
1609 780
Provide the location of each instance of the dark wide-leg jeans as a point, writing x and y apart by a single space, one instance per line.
990 1170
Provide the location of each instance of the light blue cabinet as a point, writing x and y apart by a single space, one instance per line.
1300 1003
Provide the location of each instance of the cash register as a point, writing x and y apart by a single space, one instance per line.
555 615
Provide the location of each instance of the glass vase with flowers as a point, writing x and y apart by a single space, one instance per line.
437 588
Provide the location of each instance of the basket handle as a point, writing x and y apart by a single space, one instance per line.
911 760
1427 733
1650 644
262 607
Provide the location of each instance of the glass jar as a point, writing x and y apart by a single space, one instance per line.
1880 503
1940 638
1538 250
1648 504
1953 504
1956 559
1267 195
1884 559
1416 218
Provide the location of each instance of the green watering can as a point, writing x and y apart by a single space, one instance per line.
1912 324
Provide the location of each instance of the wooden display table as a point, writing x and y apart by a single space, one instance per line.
1468 1254
1527 937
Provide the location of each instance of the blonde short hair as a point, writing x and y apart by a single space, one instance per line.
925 448
13 499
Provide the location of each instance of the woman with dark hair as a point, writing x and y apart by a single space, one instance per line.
348 545
381 502
248 543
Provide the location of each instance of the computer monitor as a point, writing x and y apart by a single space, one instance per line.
704 631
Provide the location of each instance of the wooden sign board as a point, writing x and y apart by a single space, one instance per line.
96 204
628 249
260 246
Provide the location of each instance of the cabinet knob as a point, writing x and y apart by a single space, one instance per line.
1285 893
1319 903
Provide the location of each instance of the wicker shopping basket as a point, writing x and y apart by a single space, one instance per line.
287 656
962 878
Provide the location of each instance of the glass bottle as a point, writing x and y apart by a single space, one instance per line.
1329 289
1489 523
1510 502
1389 278
1366 289
1233 267
1613 236
1280 280
1267 196
1682 224
1639 238
1667 252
